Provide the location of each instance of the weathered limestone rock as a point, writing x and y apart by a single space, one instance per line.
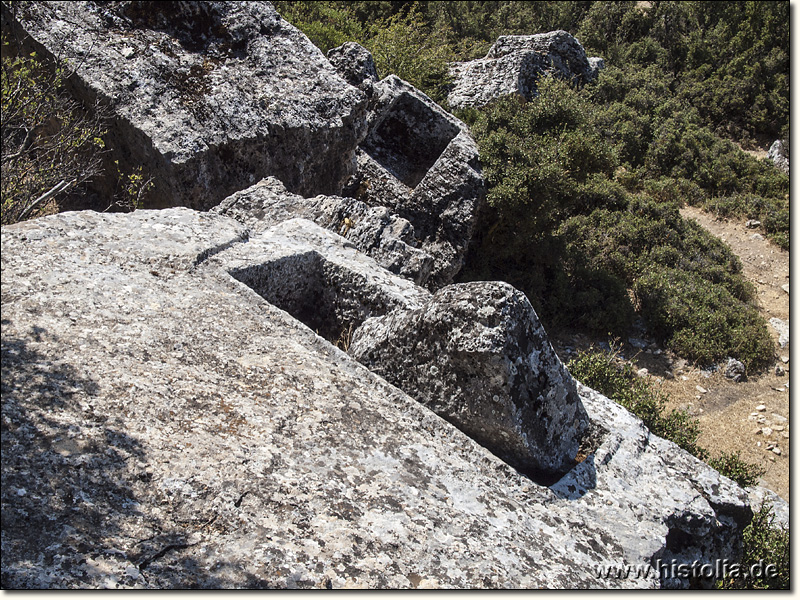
209 97
421 162
515 62
760 496
477 355
318 278
355 64
782 327
777 154
652 486
374 230
735 370
166 426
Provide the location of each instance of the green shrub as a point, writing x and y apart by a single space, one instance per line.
732 466
617 380
326 24
51 145
702 322
767 544
404 45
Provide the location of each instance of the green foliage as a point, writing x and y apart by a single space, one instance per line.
767 544
731 465
604 372
400 39
703 322
327 24
50 144
405 46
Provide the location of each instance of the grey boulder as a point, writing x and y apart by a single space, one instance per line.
514 64
477 355
355 65
735 370
778 155
208 97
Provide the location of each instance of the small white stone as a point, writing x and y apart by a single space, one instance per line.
767 431
776 450
761 408
701 389
778 427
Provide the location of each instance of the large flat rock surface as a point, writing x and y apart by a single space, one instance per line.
164 426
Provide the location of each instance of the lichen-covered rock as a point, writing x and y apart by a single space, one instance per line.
477 355
421 162
209 97
165 426
514 64
317 277
375 230
735 370
355 65
674 506
777 154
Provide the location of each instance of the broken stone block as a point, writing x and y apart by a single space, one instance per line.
514 64
422 163
208 97
317 277
477 355
355 65
374 230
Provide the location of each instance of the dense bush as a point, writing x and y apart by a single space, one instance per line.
590 244
731 465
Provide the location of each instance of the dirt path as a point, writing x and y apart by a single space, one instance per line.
729 412
750 417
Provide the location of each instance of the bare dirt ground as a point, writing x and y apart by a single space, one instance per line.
750 417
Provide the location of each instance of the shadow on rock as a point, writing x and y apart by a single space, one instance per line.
65 472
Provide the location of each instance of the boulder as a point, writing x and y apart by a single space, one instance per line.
374 230
514 64
477 355
167 425
779 156
422 163
735 370
355 65
631 476
783 330
209 97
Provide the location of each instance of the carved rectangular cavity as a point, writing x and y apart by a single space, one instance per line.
328 298
409 139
